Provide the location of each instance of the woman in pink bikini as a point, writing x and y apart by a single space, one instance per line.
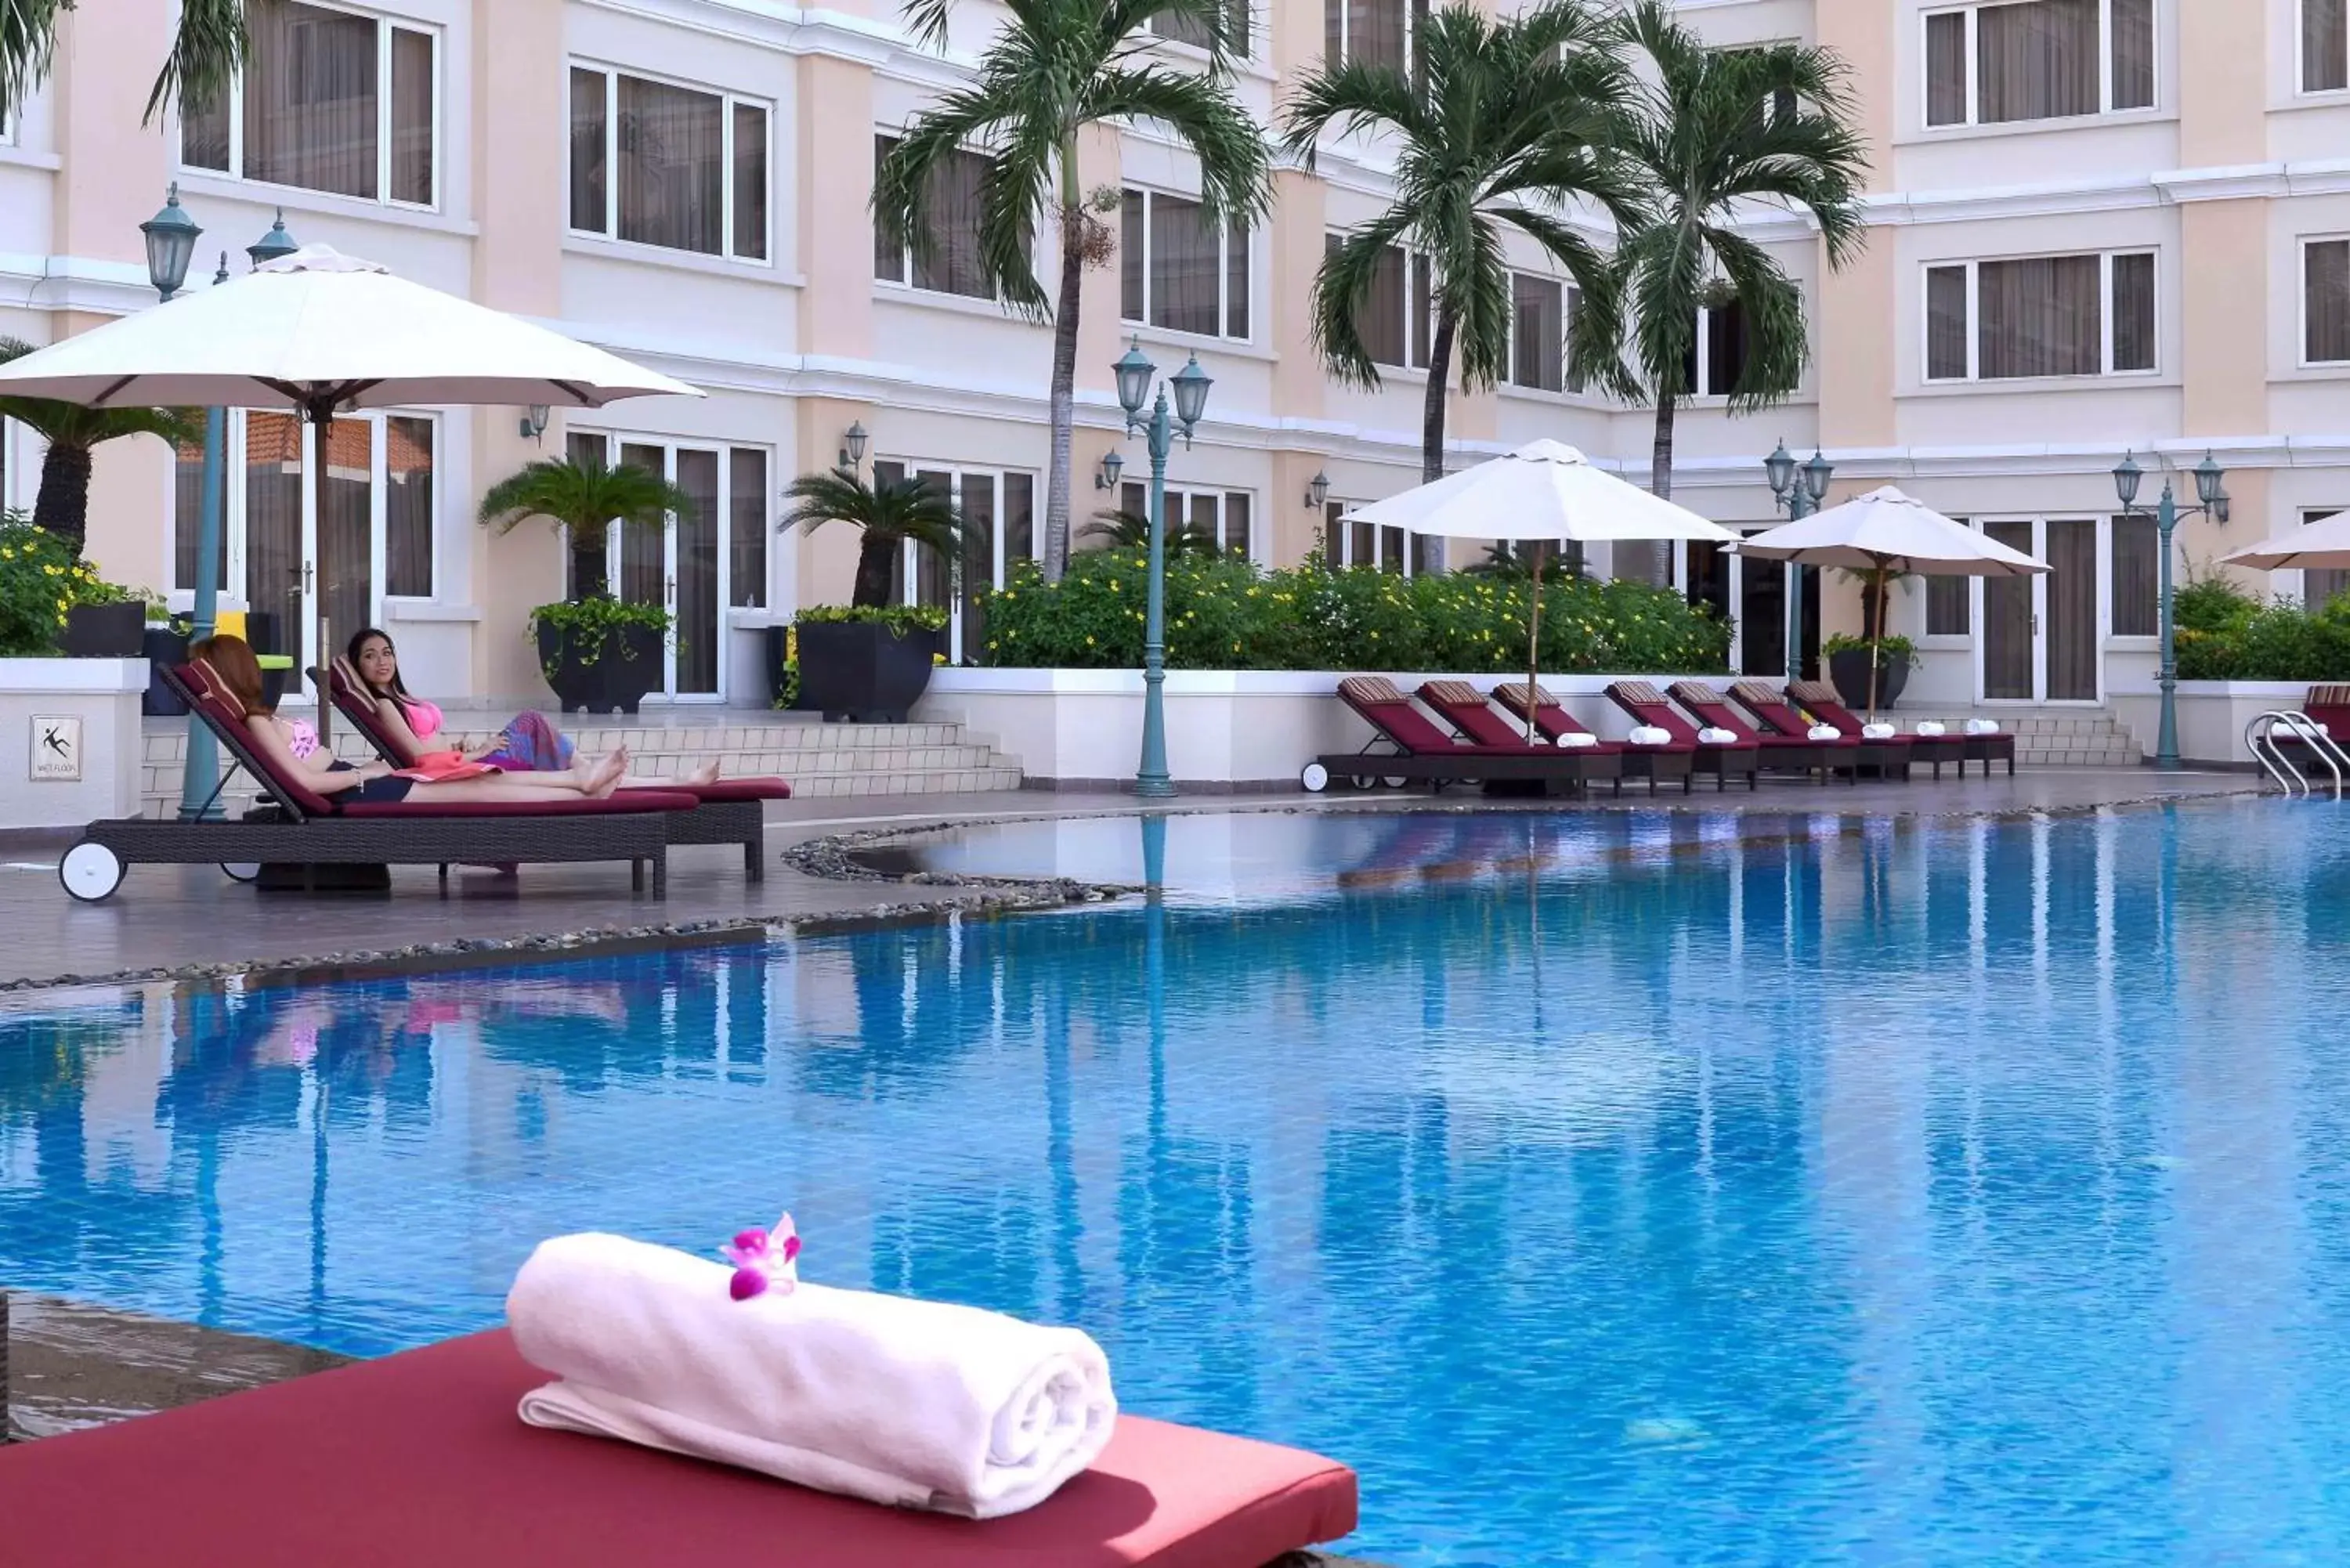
530 743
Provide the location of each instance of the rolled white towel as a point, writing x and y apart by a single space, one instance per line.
1930 728
1982 726
906 1403
1824 733
1878 730
1714 735
1574 739
1650 736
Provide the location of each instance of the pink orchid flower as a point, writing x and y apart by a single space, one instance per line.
764 1258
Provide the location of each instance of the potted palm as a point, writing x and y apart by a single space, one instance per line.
599 654
869 660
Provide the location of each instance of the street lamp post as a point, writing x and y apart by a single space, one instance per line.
2212 496
1190 384
1798 491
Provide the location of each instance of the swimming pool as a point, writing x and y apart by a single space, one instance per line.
1632 1188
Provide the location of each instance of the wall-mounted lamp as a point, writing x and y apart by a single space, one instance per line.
1111 466
853 452
534 420
277 242
1317 489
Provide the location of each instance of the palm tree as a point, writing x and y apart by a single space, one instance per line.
1132 531
1499 121
207 46
1716 132
889 511
73 433
582 497
1058 67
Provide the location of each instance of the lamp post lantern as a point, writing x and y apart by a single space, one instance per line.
1797 489
1190 384
2211 495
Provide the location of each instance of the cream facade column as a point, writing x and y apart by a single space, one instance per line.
833 193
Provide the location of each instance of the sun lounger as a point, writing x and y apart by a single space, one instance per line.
1464 708
1647 705
729 811
1418 751
1819 700
418 1460
306 828
2326 705
1889 756
1665 763
1791 753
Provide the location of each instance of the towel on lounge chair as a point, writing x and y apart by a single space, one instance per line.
1574 739
1878 731
1824 733
1649 735
908 1403
1712 736
1932 727
1982 726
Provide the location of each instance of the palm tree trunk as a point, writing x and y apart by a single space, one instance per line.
873 558
62 508
1065 366
1431 426
590 578
1660 474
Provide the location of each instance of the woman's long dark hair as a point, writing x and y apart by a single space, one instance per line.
399 692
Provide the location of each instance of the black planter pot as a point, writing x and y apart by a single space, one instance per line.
779 674
611 676
104 631
164 647
861 672
1849 671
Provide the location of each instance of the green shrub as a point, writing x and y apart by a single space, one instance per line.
1224 614
2224 633
39 581
900 619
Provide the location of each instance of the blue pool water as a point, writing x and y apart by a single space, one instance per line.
1606 1188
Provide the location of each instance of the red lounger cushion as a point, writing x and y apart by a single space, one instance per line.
1386 709
1649 705
418 1461
729 789
619 803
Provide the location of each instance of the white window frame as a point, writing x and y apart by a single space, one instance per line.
2300 293
905 274
1974 120
909 561
610 232
1346 43
2300 60
1975 376
1150 195
385 25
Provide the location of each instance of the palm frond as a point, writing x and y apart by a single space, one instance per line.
1123 530
885 509
1342 287
583 495
1235 170
28 43
206 51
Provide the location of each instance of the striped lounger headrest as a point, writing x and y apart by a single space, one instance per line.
1640 693
1698 691
1512 694
1452 693
1807 692
1370 690
1754 694
2328 697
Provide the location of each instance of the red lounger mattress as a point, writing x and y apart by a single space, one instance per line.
418 1461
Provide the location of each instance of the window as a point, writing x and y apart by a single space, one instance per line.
1378 544
999 512
659 164
2325 302
1718 350
2320 585
2041 316
1949 606
2135 555
747 518
1220 518
950 262
327 100
2324 46
2047 60
1371 32
1187 30
1540 310
1394 323
1179 270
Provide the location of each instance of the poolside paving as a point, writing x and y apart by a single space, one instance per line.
176 919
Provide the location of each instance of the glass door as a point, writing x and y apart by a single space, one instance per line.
682 563
2040 634
277 538
998 512
2011 623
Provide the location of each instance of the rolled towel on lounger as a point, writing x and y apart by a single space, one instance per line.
906 1403
1982 726
1573 739
1824 733
1878 730
1931 728
1714 735
1650 736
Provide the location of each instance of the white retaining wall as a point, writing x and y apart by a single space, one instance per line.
101 695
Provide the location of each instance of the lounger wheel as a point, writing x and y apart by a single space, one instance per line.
1398 783
241 870
90 871
1316 778
1362 781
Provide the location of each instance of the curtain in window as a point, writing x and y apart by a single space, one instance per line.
1946 323
273 518
587 449
672 166
2133 45
1375 32
2324 46
310 108
1185 267
588 211
2320 585
204 134
699 635
2036 61
950 263
978 573
1423 319
1133 256
1236 282
746 527
412 117
1573 381
408 507
1946 68
643 546
1948 605
2135 552
2325 308
1333 533
1236 523
2133 312
1725 348
1380 323
347 528
2040 317
1019 522
888 255
187 515
1538 333
750 182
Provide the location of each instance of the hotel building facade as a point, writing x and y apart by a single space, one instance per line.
2095 226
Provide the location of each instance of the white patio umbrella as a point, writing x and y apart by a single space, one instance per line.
321 332
2321 544
1881 535
1543 491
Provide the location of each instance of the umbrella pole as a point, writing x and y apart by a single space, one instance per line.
320 413
1534 651
1876 643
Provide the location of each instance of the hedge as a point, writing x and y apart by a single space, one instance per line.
2226 634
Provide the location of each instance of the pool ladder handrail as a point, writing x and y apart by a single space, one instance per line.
2259 739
